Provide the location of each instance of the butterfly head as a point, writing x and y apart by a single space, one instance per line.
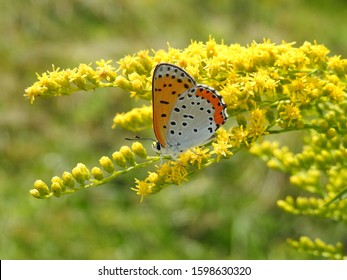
157 147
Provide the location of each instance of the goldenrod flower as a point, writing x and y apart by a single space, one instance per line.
57 180
106 164
239 136
290 115
292 59
194 157
56 189
338 65
173 173
222 144
267 86
335 92
270 88
143 188
318 248
97 173
81 173
68 179
41 187
119 159
139 150
258 124
135 120
154 178
105 70
128 154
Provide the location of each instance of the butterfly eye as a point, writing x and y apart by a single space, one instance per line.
156 146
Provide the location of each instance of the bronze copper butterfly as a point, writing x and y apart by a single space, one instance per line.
185 114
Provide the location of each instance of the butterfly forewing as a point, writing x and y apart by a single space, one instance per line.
169 82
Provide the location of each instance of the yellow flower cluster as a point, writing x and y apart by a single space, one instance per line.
135 120
317 207
81 177
173 172
289 115
268 88
168 173
64 82
270 85
222 144
319 169
278 82
247 77
318 248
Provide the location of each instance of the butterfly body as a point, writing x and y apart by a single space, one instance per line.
185 114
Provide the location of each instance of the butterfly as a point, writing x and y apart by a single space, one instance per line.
185 114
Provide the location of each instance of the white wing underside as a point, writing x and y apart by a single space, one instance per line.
191 123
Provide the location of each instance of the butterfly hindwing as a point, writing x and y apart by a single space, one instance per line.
195 117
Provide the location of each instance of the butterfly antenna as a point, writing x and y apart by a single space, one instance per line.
138 138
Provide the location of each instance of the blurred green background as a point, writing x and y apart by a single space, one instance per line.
225 212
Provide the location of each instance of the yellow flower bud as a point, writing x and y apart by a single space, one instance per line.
286 206
107 164
137 85
119 159
330 116
338 155
331 133
301 202
59 181
153 177
296 180
319 141
145 59
274 164
128 154
306 242
35 90
81 173
56 189
80 82
122 83
41 187
35 193
139 150
97 173
134 120
68 179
